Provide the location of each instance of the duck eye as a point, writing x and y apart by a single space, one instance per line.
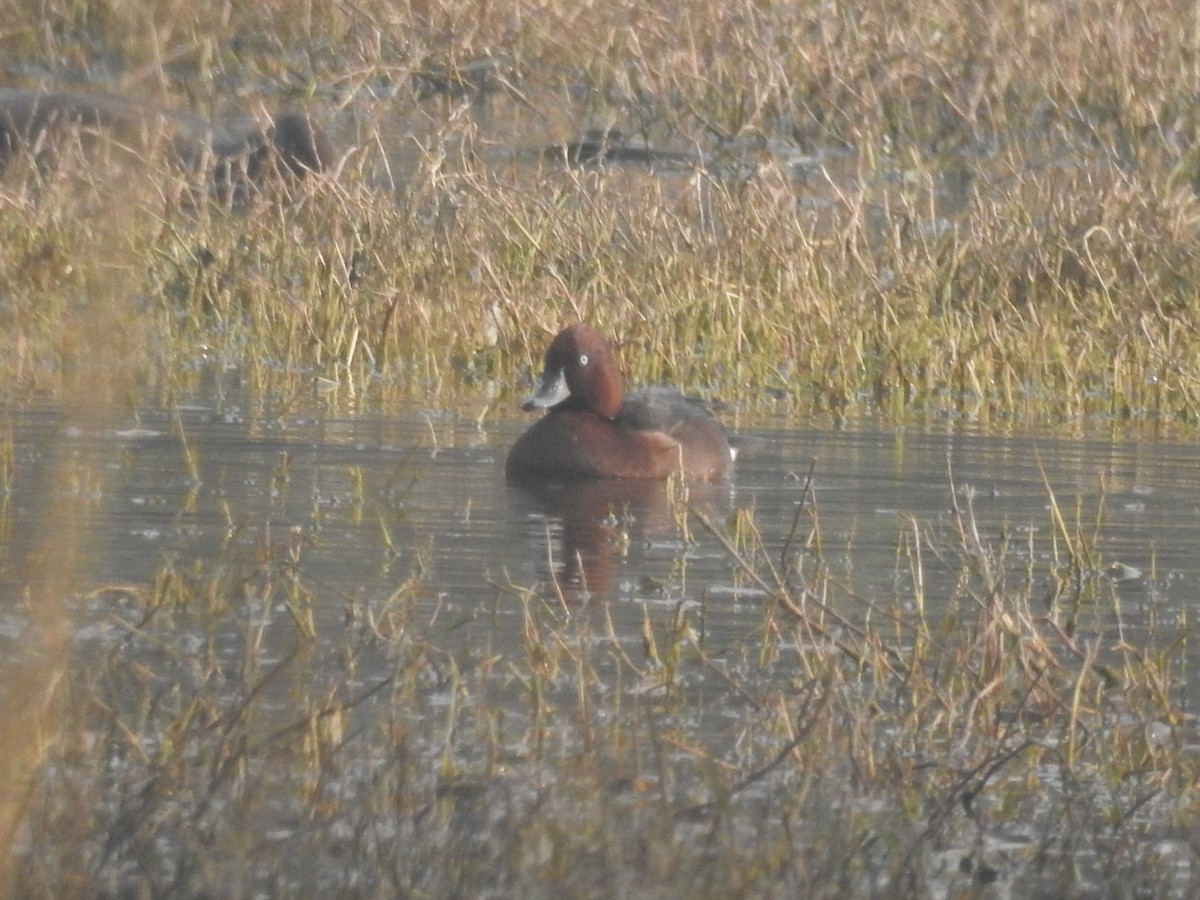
583 359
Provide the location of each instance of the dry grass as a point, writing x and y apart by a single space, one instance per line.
994 217
879 746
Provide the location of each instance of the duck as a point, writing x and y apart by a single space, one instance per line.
592 428
36 120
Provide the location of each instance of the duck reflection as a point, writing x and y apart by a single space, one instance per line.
606 523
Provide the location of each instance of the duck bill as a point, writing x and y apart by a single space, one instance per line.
552 391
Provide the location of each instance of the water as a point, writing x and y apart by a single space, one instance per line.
352 509
328 627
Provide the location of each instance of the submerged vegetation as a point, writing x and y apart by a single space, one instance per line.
978 212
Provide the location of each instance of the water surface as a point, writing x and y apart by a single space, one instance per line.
330 627
358 507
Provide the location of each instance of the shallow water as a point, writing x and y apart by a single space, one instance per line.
352 508
242 578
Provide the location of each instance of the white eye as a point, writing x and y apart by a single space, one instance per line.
583 359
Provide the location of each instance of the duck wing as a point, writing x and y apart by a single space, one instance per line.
660 409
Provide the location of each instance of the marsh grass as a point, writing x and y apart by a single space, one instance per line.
950 227
982 212
843 744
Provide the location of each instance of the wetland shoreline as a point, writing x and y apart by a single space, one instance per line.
948 218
